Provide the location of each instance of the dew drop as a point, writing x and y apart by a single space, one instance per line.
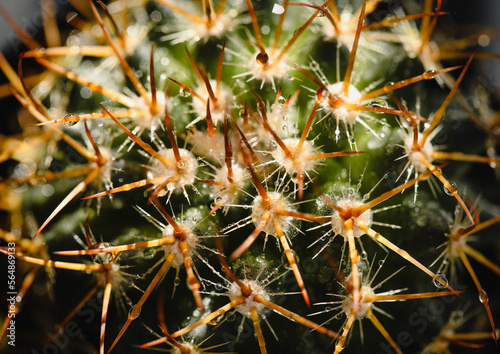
104 257
42 51
284 259
483 293
377 103
262 58
231 317
453 187
314 66
181 164
177 281
281 100
381 263
439 280
389 86
429 74
364 255
148 253
133 316
184 93
70 123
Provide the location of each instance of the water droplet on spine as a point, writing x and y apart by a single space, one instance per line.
429 74
262 58
104 257
378 103
440 281
284 259
148 253
184 92
70 123
389 86
482 295
450 191
132 315
314 65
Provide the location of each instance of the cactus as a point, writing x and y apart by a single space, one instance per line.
192 170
